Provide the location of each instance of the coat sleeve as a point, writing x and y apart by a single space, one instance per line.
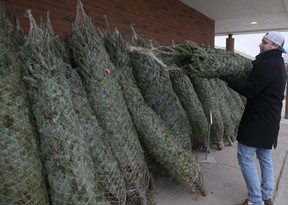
260 77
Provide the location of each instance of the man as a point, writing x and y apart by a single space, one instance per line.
259 126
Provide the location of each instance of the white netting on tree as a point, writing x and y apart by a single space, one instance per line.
21 173
63 140
100 80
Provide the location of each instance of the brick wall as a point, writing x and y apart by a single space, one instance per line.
161 20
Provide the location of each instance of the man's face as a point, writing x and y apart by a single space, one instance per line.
267 45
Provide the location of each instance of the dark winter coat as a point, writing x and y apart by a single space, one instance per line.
264 91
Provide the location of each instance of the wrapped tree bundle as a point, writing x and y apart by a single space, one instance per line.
63 141
203 61
206 94
156 87
233 101
238 102
107 169
105 164
224 106
239 99
185 91
21 170
154 134
100 80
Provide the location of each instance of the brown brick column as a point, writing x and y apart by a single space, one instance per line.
230 43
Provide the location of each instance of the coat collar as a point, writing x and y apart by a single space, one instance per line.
267 54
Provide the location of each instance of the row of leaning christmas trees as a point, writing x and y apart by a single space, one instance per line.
85 121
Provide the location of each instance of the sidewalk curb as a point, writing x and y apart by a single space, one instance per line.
282 189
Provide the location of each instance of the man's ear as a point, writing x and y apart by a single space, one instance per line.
275 46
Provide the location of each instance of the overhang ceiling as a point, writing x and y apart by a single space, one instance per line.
235 16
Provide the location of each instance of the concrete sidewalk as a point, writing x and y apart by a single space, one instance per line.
223 179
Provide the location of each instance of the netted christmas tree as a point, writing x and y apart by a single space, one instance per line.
155 136
63 140
203 61
106 167
101 81
223 99
109 176
21 170
156 88
187 95
206 95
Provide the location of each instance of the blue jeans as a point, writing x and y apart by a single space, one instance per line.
256 192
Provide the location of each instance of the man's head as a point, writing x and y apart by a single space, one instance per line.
272 40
